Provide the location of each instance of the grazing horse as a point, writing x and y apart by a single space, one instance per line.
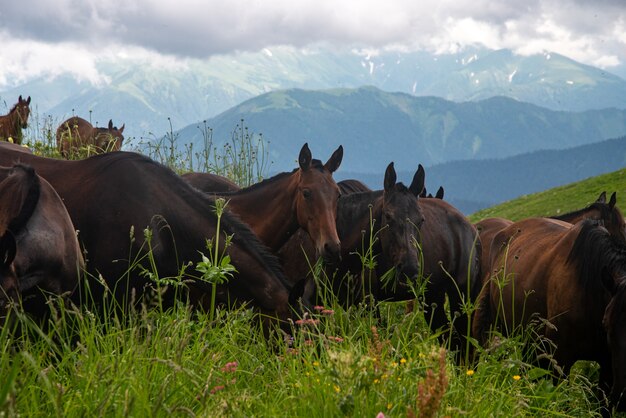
304 198
210 183
573 276
76 132
125 204
11 124
38 245
388 219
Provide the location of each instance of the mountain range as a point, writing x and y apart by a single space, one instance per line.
152 99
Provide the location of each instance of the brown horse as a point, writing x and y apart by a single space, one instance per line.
109 196
573 276
210 183
76 133
11 124
304 198
38 243
388 219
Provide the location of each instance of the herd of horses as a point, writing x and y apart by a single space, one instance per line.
111 217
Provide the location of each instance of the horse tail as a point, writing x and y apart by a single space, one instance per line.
26 189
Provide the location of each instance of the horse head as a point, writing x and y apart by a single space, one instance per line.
23 111
316 201
400 221
110 138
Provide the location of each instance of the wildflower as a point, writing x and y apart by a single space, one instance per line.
337 388
217 389
316 363
517 377
402 360
10 139
389 405
380 415
376 381
230 367
335 339
422 355
327 312
469 372
318 308
307 321
394 364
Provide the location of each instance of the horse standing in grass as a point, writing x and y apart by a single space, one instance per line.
129 208
573 276
11 124
76 133
39 250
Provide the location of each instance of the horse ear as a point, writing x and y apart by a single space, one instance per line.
439 194
423 192
417 185
390 177
122 128
19 99
8 249
613 200
335 160
110 123
28 100
304 159
601 198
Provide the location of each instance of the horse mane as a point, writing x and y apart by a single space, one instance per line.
25 195
605 212
198 200
596 253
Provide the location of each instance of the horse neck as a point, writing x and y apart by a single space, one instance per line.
353 216
9 125
575 216
268 208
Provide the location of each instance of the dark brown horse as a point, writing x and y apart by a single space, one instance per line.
388 219
210 183
573 276
11 124
76 133
304 198
38 242
111 195
352 186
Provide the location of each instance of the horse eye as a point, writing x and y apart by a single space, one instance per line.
306 193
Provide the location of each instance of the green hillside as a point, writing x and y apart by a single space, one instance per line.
560 199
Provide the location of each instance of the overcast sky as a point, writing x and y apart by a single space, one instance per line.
50 37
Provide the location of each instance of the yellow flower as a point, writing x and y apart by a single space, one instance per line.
517 377
337 388
10 139
402 360
376 381
394 364
422 355
469 372
316 363
389 405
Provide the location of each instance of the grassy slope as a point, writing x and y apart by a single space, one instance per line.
559 199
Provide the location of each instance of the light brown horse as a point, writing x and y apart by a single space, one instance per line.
573 276
76 132
11 124
38 245
304 198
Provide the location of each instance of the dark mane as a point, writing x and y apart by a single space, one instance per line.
201 202
595 253
606 212
27 192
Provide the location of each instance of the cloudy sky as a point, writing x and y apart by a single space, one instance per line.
51 37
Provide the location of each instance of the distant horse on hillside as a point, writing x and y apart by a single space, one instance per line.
11 124
573 276
39 250
76 133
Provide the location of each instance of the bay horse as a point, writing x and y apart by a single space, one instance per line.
572 275
11 124
210 183
38 245
387 218
113 197
303 198
75 133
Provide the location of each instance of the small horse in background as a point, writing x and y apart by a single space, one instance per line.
76 133
11 124
573 276
39 251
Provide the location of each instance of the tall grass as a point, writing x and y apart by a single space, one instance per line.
337 362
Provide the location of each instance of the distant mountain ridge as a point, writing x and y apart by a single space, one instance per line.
148 98
376 127
477 184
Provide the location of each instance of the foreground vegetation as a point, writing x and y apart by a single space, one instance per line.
361 361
